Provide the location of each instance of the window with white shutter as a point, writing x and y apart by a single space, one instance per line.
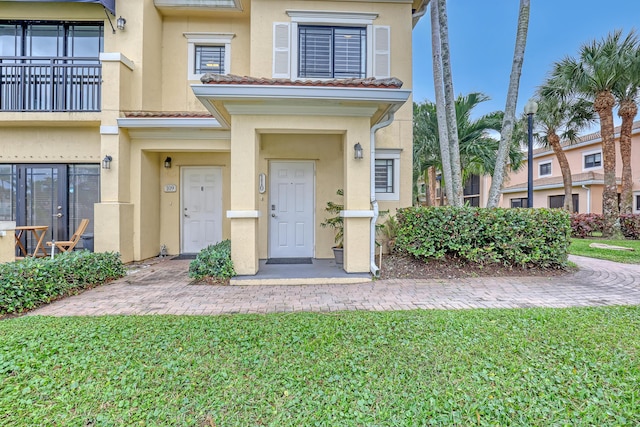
381 51
281 50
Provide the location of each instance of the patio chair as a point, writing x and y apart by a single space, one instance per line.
68 245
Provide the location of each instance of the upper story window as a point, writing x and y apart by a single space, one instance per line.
331 45
544 168
50 66
208 53
332 52
592 160
209 59
40 41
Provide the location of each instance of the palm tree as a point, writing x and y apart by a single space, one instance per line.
626 93
561 119
438 83
456 195
426 149
477 147
506 142
595 75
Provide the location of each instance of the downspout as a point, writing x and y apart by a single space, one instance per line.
588 198
375 270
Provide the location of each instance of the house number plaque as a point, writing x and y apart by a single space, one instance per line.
170 188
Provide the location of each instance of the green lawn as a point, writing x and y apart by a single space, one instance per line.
581 247
542 367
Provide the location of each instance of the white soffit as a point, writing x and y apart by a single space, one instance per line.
199 4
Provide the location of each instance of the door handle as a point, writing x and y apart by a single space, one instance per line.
186 216
273 215
58 215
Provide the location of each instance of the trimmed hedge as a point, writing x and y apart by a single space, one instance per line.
213 261
512 237
584 225
31 282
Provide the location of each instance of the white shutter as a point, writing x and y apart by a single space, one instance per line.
381 51
281 50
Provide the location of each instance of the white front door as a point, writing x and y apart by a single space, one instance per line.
291 209
201 207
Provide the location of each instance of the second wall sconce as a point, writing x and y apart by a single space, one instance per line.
120 23
106 162
357 151
167 162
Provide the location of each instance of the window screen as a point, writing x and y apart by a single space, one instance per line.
332 52
209 59
384 175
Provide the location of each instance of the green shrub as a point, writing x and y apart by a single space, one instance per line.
512 237
213 261
30 282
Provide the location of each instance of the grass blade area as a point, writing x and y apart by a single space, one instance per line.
476 367
581 247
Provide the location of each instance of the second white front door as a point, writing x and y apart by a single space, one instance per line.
291 209
201 207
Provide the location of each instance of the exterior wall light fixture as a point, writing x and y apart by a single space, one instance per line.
357 151
106 162
120 23
167 162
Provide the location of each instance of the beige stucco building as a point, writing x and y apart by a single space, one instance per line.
105 114
585 161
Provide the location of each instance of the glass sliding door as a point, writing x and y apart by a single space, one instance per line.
58 196
41 196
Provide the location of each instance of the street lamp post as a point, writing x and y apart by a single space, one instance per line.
530 109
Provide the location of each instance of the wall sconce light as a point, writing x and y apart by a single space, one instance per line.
167 162
357 151
106 162
120 23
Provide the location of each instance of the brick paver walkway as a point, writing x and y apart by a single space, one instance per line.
164 288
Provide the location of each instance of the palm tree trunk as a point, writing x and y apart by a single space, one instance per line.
510 108
554 141
438 83
603 105
431 200
627 111
456 196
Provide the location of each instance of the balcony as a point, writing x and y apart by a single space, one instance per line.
61 84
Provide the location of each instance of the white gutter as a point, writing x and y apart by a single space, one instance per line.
588 198
375 270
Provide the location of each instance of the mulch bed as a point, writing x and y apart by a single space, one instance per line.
396 266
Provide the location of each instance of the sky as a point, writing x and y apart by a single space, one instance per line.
482 39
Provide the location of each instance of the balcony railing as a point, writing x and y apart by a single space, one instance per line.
50 84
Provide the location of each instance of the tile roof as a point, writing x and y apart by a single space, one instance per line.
555 180
586 138
370 82
168 114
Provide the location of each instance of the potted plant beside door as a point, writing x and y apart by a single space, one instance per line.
335 222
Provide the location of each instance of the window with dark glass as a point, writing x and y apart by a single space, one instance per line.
471 191
384 175
545 169
520 202
558 202
638 202
332 52
593 160
50 66
209 59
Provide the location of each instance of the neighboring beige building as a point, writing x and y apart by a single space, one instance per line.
585 161
103 115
